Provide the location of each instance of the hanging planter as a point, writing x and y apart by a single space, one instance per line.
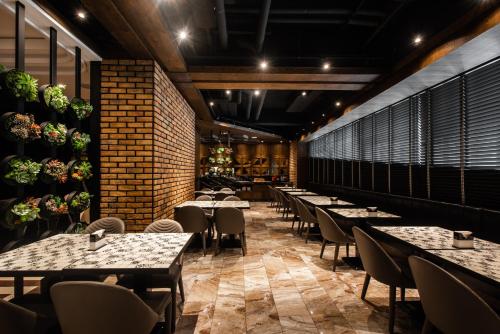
78 201
20 128
16 213
54 170
78 140
20 85
79 170
80 109
52 98
18 170
52 205
54 134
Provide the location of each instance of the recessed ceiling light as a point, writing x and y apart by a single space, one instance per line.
304 93
338 104
263 65
326 66
183 34
303 129
323 115
312 122
211 103
228 92
81 14
254 137
417 40
257 92
281 141
261 141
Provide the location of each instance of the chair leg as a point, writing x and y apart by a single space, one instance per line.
403 294
392 308
181 288
365 286
242 241
347 249
217 243
428 327
293 221
204 243
322 249
336 256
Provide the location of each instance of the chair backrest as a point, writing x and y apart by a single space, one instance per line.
203 198
229 220
294 207
164 226
206 189
220 196
329 228
285 201
232 198
305 213
99 308
448 303
376 261
226 189
192 219
15 319
109 224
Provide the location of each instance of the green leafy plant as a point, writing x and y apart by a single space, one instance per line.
55 134
55 205
80 201
81 170
23 171
26 211
23 127
56 169
54 97
22 85
2 68
81 108
80 141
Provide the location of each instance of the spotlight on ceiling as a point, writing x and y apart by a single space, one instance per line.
211 103
263 65
323 115
254 137
312 122
183 35
257 92
262 141
338 104
228 92
417 40
304 93
81 15
326 66
281 141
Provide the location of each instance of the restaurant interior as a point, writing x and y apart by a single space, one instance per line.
249 166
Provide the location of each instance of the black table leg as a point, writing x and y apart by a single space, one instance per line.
18 286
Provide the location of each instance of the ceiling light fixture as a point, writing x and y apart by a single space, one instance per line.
254 137
326 66
417 40
281 141
228 92
338 104
323 115
263 65
257 92
304 93
81 14
183 35
312 122
211 103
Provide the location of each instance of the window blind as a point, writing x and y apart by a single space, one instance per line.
418 151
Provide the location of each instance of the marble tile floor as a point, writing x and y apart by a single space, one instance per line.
280 286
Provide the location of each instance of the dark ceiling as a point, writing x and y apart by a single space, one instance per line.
293 36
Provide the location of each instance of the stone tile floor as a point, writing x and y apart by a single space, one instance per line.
280 286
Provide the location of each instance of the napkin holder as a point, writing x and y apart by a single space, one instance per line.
334 199
97 240
463 239
372 211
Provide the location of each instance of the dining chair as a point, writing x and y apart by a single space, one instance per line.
450 305
15 319
285 204
220 196
206 189
379 265
194 220
307 217
226 189
203 198
170 280
230 221
277 200
271 197
109 224
232 198
295 211
331 232
99 308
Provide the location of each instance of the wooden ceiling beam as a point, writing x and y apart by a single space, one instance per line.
297 85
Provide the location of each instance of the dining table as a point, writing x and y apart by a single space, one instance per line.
68 254
292 190
325 202
301 193
214 192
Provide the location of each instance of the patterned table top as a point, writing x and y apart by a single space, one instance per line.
301 193
213 192
485 262
201 204
430 237
232 204
63 251
325 201
281 188
292 190
362 214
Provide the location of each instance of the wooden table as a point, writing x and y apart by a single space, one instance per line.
66 254
301 193
325 202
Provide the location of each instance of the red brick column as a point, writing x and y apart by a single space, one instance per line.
293 162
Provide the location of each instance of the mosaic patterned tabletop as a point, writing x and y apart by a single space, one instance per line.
62 251
362 214
281 188
213 192
325 201
301 193
485 262
292 190
232 204
430 237
201 204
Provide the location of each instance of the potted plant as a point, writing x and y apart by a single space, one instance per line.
16 213
79 140
20 170
20 85
81 109
54 170
20 127
52 205
78 201
53 97
80 170
54 134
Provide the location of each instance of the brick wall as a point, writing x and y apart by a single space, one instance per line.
147 143
293 162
